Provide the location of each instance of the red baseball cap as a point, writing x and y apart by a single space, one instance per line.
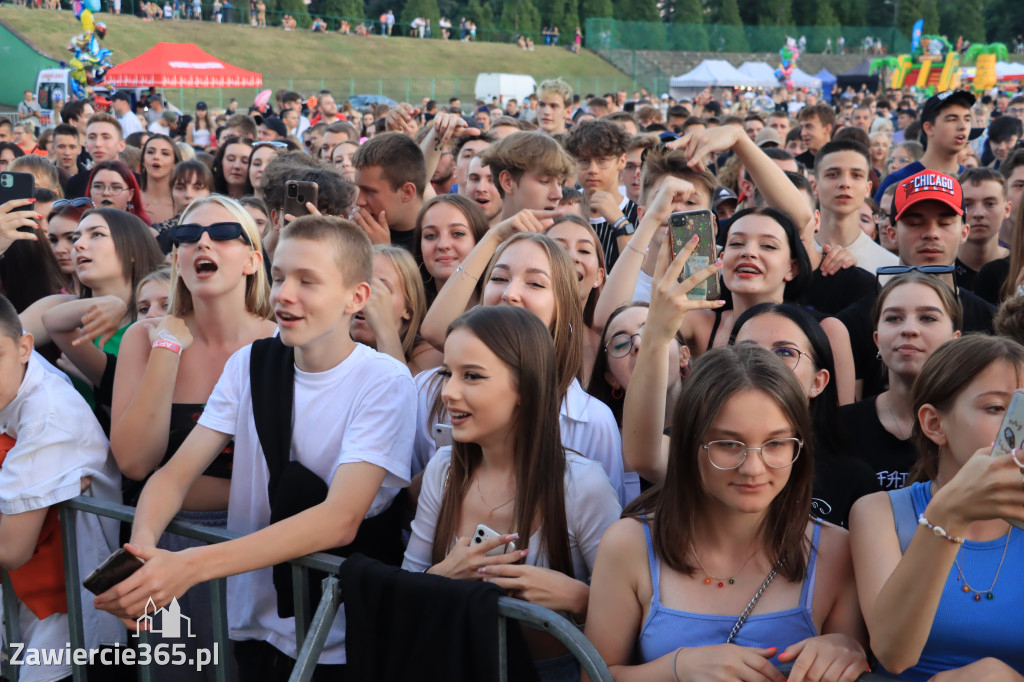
928 185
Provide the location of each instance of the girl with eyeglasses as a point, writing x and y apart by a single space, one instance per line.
220 302
914 314
937 563
508 470
795 336
113 185
719 572
159 157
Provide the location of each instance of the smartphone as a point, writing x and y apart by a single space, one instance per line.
442 435
297 194
1011 434
484 533
114 569
681 227
18 186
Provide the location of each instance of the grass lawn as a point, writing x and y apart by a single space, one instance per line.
401 68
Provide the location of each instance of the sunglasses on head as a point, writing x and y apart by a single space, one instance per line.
277 144
219 232
76 203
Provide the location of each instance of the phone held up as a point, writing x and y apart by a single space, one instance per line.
297 195
18 186
1011 435
681 227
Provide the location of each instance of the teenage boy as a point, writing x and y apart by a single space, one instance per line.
66 148
1003 134
946 130
842 177
629 177
351 428
987 207
529 170
928 213
391 175
554 99
51 450
599 148
817 122
103 141
480 188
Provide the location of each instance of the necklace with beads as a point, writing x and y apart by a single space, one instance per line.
967 589
721 582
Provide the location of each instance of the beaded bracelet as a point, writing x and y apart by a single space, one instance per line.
939 531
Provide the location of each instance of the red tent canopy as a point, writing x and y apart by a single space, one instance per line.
180 65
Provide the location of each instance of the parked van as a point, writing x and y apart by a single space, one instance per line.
504 86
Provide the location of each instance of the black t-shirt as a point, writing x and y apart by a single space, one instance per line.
839 481
606 235
404 238
888 457
831 294
77 185
807 159
964 275
857 318
989 282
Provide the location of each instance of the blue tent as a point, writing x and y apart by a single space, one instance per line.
827 81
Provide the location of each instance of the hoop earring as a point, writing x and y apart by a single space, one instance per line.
618 393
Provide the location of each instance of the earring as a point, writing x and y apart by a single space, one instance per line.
814 392
878 355
130 207
618 393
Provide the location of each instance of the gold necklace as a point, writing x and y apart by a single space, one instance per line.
962 579
708 578
488 504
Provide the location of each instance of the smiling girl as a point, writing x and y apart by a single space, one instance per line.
450 225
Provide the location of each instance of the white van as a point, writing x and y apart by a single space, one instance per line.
504 86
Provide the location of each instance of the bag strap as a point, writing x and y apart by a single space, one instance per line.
272 382
903 515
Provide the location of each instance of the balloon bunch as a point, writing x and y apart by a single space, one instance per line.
89 61
789 54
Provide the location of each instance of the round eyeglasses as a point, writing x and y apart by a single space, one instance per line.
777 453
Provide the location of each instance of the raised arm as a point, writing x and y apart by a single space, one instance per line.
140 419
73 326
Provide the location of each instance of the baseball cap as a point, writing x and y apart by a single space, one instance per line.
928 185
121 95
723 194
768 137
276 124
200 105
936 103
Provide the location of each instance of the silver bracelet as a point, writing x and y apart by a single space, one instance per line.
630 245
675 657
462 271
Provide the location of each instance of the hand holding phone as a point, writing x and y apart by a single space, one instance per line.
297 195
1010 440
483 533
115 568
682 226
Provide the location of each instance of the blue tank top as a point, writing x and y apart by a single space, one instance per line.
965 630
665 629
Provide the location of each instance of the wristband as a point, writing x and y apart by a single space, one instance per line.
618 222
626 230
939 531
165 339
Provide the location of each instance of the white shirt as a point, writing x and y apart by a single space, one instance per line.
870 256
58 443
356 412
590 507
587 425
130 124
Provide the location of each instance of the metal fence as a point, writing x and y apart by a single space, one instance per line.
311 629
612 34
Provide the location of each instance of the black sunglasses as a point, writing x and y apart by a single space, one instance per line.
219 232
277 144
76 203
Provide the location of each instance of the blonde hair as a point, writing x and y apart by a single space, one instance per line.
257 286
556 86
415 297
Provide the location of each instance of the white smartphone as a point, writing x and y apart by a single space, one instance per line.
442 435
484 533
1011 434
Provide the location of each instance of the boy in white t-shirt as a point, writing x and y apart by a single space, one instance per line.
51 450
352 427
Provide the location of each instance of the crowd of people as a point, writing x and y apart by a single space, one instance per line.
469 345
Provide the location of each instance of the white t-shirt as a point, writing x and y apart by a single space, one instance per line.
588 427
58 443
358 411
590 507
130 123
869 254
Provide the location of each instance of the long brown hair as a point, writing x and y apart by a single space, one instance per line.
520 340
679 505
1016 253
946 373
135 248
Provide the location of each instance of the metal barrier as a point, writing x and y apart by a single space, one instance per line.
311 630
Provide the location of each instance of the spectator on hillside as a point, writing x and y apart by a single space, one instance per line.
319 25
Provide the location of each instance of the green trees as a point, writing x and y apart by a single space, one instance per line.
520 16
426 9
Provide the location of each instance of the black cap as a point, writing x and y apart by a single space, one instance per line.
155 98
276 124
121 95
936 103
200 105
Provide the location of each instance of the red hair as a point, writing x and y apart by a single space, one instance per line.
128 176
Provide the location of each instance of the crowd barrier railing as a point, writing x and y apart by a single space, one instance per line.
311 628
